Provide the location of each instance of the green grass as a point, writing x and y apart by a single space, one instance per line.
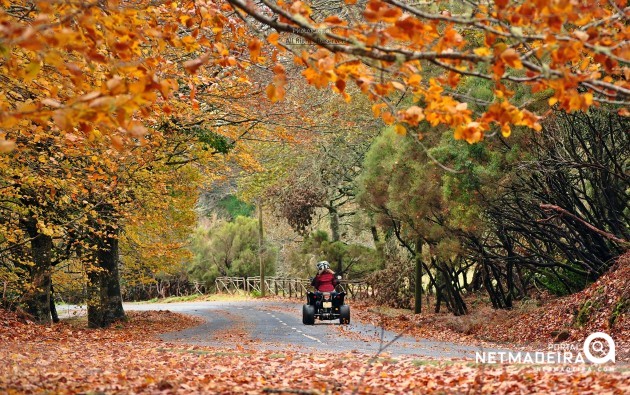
198 298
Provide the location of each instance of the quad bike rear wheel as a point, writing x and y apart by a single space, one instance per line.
308 314
344 314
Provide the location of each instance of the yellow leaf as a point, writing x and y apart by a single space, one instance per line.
8 121
31 71
376 109
400 129
415 80
553 100
27 107
588 98
53 58
482 51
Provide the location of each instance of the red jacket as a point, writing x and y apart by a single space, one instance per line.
325 282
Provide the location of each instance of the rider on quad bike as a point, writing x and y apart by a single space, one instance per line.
325 303
325 280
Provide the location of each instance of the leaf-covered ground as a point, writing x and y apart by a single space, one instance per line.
129 358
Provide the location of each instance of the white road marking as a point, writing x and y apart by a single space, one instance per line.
312 338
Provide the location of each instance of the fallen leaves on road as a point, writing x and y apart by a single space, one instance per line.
129 358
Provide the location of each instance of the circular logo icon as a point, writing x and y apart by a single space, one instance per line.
595 342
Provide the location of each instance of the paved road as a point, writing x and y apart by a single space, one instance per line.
278 326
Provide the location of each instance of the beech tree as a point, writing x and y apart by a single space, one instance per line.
576 50
89 140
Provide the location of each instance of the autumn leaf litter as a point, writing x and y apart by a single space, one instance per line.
129 358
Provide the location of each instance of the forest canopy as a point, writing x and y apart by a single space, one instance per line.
123 123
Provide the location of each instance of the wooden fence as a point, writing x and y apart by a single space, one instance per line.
286 287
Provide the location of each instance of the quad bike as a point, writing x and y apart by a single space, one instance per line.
325 306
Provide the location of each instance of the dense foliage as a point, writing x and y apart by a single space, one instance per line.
229 249
548 209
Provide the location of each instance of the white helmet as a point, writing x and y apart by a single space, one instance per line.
322 265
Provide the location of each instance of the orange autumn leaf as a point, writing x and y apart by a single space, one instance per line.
273 38
193 65
501 4
412 115
388 118
335 20
254 45
512 58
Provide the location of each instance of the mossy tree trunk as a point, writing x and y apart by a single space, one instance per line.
105 299
37 299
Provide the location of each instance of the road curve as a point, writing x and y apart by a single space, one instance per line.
273 325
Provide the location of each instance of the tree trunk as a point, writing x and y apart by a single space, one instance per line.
334 230
260 249
448 290
53 309
377 240
38 298
105 304
417 308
